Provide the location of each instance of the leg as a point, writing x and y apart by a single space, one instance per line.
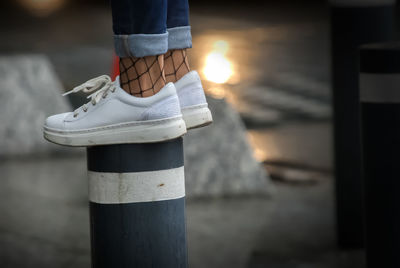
179 39
141 39
190 91
112 116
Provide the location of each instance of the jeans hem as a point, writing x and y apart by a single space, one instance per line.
140 45
179 37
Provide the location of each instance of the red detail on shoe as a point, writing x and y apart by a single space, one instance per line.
115 67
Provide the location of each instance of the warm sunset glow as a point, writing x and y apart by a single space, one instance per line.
218 68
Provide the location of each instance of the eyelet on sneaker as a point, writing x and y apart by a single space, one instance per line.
75 115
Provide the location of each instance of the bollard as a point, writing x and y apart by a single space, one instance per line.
137 205
353 22
380 108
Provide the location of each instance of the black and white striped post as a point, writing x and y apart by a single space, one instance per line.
137 205
353 23
380 106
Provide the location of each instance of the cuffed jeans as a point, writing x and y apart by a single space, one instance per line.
150 27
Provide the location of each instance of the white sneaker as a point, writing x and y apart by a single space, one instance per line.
193 101
113 117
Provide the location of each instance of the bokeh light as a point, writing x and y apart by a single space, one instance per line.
218 68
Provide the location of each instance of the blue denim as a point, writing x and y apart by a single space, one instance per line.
150 27
177 13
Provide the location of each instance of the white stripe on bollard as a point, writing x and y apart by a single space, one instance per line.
135 187
379 88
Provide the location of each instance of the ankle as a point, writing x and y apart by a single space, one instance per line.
176 64
142 77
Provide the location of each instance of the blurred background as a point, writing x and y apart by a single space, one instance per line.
266 69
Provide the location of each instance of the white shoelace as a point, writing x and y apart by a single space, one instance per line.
100 86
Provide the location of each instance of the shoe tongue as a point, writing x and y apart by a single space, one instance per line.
117 84
117 81
118 87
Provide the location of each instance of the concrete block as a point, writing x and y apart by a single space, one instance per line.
218 158
30 91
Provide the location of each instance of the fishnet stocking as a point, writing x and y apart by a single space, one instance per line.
176 64
142 77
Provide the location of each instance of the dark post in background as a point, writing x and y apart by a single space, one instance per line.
137 205
352 23
380 101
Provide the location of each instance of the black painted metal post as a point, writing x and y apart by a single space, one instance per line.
380 106
137 205
353 22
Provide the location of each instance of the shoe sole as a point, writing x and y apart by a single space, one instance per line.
134 132
197 116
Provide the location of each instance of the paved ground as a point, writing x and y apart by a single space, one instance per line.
45 222
280 86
